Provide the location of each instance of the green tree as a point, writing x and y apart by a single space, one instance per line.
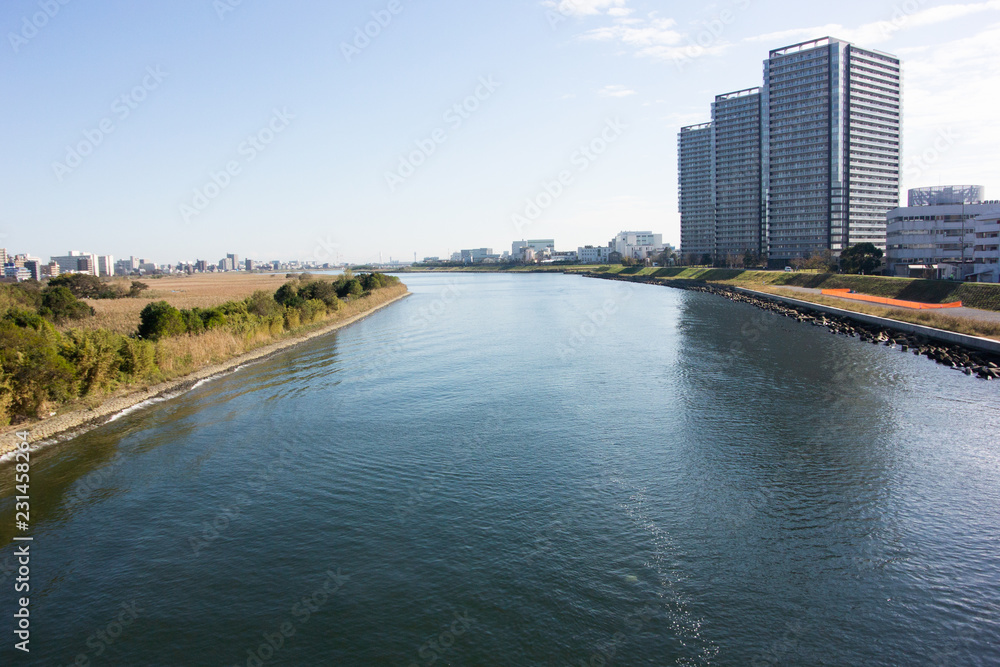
59 304
136 288
288 295
213 318
192 321
322 290
263 304
863 258
351 288
34 373
160 320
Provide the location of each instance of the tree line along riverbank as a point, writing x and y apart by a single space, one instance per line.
53 358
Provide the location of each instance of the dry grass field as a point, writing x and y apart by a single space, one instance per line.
197 291
180 355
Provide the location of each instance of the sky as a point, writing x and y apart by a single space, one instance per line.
350 131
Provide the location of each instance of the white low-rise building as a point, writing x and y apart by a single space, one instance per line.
590 254
637 245
986 252
935 235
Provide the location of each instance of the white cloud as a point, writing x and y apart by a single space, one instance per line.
587 7
615 91
878 32
661 38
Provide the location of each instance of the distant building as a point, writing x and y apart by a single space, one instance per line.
986 253
35 267
126 267
105 265
249 266
565 256
77 262
934 236
235 261
589 254
477 255
637 245
540 246
19 273
87 265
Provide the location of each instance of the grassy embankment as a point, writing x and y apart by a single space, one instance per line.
973 295
84 361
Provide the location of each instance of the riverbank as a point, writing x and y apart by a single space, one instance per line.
971 355
69 424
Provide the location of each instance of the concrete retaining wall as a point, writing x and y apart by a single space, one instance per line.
974 342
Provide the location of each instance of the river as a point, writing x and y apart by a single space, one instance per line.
529 469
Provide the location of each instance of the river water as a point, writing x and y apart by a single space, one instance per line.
530 469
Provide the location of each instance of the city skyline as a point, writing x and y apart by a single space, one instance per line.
289 132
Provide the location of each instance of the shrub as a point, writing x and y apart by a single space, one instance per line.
6 398
159 319
324 291
27 294
288 295
212 318
137 358
59 304
262 304
85 286
292 318
350 288
34 371
192 321
312 310
94 356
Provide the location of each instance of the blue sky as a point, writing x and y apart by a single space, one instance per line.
187 129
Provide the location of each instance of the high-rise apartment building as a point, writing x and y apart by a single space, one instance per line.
696 196
832 142
737 164
828 148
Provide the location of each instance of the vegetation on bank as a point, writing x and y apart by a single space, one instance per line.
927 318
42 367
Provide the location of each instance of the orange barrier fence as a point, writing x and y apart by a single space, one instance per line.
848 294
